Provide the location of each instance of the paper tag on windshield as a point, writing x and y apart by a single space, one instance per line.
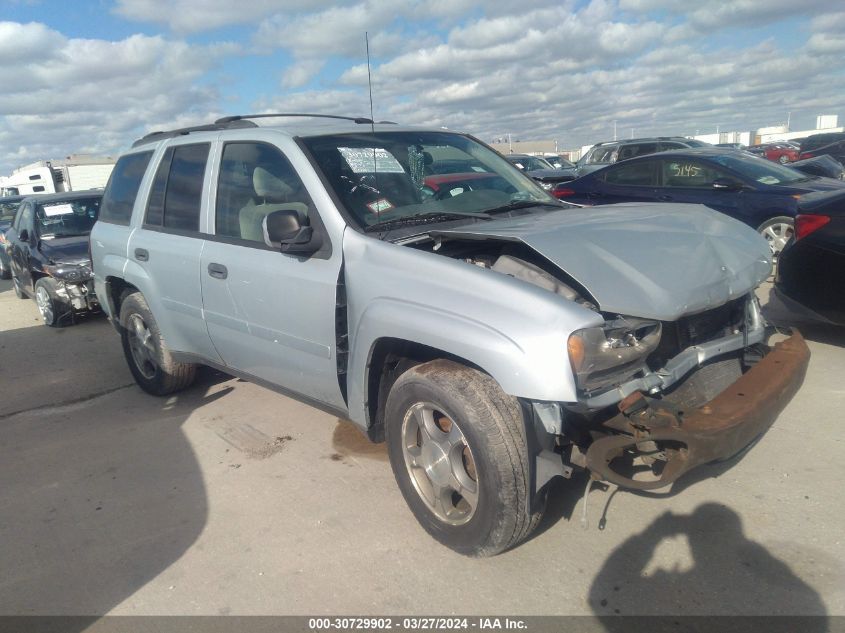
370 160
57 209
380 206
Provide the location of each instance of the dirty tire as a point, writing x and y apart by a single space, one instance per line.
161 375
492 426
52 309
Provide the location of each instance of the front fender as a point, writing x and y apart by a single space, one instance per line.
512 330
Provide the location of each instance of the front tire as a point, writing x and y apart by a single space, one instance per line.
783 160
146 351
52 309
457 449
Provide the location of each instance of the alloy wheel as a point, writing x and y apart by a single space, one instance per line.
45 304
141 345
440 464
777 235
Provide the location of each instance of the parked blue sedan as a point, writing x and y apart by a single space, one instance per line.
753 190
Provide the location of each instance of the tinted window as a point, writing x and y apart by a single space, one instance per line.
639 173
687 173
22 220
255 179
119 197
637 149
760 169
665 145
184 187
66 218
155 205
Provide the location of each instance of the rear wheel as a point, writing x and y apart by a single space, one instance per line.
146 352
783 159
777 231
457 449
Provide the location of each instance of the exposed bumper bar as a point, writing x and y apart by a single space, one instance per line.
716 431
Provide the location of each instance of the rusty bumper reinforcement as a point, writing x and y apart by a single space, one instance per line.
682 440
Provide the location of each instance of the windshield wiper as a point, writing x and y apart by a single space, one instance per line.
425 218
523 204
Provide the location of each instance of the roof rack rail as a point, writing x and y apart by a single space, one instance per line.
211 127
239 117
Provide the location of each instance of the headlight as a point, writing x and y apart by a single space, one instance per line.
602 356
69 272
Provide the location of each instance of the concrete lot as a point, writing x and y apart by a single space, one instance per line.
230 499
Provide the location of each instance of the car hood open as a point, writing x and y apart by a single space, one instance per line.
658 261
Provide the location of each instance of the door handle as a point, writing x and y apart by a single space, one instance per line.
142 254
218 271
665 198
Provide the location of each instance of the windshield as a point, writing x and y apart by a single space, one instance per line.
390 176
601 155
66 218
759 169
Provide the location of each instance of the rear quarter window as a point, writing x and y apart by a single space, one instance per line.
122 188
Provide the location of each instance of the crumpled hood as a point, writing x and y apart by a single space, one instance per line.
658 261
66 250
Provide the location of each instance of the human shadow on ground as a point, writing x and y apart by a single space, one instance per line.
98 497
721 572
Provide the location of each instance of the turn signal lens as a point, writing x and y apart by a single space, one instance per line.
577 352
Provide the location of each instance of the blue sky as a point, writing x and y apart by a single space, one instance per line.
92 75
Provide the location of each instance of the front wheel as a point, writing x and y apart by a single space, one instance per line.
52 309
457 449
146 352
783 160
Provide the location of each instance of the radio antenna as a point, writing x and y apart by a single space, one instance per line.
370 81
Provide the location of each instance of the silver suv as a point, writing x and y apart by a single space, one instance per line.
494 337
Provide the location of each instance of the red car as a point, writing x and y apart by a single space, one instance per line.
779 152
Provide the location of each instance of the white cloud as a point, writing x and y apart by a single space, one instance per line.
67 95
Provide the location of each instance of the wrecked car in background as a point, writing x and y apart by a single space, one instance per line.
48 248
493 336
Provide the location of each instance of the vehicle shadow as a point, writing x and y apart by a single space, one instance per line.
99 495
699 564
779 314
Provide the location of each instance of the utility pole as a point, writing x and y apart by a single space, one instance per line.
788 117
614 129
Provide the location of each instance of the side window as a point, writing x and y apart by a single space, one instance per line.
176 194
637 149
687 173
24 218
122 188
667 145
16 223
255 179
640 173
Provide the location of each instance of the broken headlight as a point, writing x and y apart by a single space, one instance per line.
68 272
603 356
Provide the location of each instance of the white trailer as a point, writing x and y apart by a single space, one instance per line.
74 173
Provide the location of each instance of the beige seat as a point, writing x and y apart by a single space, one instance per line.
273 194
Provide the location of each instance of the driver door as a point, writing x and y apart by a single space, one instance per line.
21 249
269 314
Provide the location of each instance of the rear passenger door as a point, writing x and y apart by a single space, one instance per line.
270 314
164 252
627 182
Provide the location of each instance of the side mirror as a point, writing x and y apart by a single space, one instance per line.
726 184
288 231
23 236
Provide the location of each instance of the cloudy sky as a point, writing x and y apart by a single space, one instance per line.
90 76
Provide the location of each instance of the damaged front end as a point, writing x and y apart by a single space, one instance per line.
74 285
658 399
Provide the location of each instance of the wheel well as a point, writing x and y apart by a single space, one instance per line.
389 359
116 291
